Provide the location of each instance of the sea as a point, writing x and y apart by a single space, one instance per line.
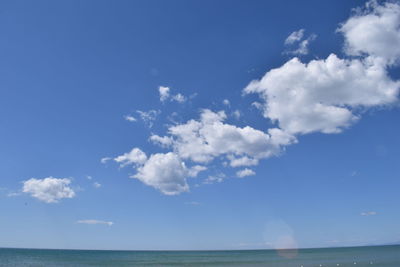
382 256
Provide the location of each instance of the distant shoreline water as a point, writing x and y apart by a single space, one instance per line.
382 256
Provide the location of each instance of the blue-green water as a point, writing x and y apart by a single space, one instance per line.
382 256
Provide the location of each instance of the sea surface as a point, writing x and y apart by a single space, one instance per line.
382 256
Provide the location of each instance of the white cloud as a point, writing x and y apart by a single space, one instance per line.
129 118
105 160
323 95
164 141
242 161
164 93
135 156
165 172
96 185
212 179
95 222
148 117
203 140
374 30
89 177
245 172
257 105
179 98
237 114
49 190
368 213
294 37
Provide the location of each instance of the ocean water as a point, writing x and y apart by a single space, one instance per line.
382 256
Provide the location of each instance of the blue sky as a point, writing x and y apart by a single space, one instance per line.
136 124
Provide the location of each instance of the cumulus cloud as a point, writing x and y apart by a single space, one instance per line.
323 95
164 141
165 95
49 190
135 156
209 137
95 222
226 102
200 141
375 31
165 172
245 172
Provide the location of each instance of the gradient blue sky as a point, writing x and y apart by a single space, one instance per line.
71 70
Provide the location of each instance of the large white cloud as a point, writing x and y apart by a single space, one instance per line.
209 137
49 190
324 95
321 96
375 31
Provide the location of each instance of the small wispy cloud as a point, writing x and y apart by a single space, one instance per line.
95 222
166 95
215 179
148 117
192 203
368 213
130 118
96 185
245 172
14 194
297 38
294 37
105 160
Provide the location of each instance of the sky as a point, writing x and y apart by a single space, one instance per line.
147 125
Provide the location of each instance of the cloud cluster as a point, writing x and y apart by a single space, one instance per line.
166 95
49 190
209 137
322 95
201 141
327 95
